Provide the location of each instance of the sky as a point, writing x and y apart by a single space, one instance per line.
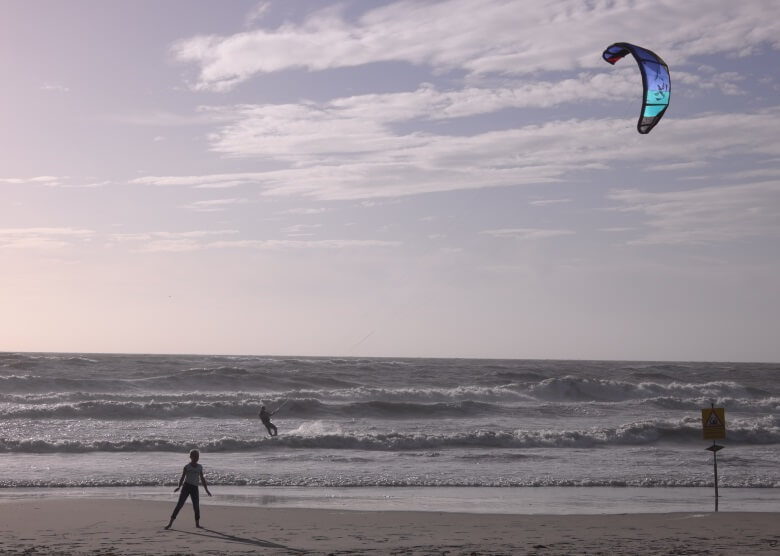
454 178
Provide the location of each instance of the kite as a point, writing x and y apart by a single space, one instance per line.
655 80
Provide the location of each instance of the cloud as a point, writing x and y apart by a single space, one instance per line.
300 230
373 203
257 13
42 238
546 202
46 180
676 166
727 82
159 242
526 233
216 181
55 181
481 37
55 88
431 104
304 211
201 117
769 172
80 185
214 205
332 157
707 214
177 242
300 244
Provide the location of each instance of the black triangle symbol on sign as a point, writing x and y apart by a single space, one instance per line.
713 421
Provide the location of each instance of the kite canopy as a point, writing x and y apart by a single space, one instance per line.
655 80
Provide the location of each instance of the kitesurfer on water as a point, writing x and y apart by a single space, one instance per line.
265 417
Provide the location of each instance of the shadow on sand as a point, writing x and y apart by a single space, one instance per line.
212 534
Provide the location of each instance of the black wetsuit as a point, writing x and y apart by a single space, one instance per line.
265 417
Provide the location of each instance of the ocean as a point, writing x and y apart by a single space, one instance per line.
70 422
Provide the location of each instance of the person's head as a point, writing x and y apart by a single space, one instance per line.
262 408
194 455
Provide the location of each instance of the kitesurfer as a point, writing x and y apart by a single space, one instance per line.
265 418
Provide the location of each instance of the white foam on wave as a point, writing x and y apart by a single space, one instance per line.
477 420
317 428
573 388
330 436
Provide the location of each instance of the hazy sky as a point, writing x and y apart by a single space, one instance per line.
422 178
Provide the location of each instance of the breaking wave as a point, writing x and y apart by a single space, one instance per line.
314 435
571 388
384 403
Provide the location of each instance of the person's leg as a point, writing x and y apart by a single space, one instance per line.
272 426
195 493
182 499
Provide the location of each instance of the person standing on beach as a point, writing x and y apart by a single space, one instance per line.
190 478
265 417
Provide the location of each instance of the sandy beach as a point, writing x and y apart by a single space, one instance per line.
52 526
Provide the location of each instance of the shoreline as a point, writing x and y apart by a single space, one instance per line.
583 500
96 526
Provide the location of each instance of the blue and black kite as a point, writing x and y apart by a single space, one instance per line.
655 79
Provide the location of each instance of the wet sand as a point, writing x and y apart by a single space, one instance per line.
86 526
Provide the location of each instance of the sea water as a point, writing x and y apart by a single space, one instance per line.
126 423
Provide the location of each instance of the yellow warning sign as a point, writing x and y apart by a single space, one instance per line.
713 423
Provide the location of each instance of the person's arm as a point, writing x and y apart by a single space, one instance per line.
205 484
181 479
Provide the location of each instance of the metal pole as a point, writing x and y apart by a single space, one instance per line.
715 467
714 448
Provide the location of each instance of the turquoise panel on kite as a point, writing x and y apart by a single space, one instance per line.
655 80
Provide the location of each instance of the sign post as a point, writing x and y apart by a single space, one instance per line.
713 422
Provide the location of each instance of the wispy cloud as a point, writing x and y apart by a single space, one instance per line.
496 37
155 242
42 238
374 203
526 233
55 88
202 116
213 181
728 83
546 202
257 13
45 180
330 156
300 230
55 181
676 166
707 214
179 242
81 184
304 244
429 103
215 205
304 211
